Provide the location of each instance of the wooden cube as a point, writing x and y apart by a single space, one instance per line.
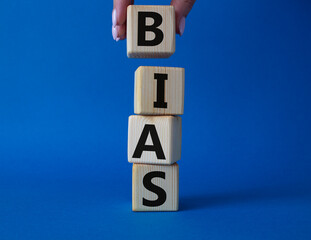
154 139
155 187
150 31
159 91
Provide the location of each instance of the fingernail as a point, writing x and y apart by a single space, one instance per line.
182 24
114 33
117 39
114 17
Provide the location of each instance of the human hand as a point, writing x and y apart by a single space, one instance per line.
182 8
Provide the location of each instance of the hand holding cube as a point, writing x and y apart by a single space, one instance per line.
119 12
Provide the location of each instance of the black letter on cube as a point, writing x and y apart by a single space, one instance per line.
160 77
156 147
143 28
154 188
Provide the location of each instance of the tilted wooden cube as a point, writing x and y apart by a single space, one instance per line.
155 187
159 91
150 31
154 139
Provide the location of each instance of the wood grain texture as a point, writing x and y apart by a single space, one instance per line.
163 50
170 185
146 91
169 131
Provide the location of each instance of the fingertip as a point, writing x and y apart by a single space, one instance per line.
182 7
121 10
119 32
114 33
114 17
123 37
181 26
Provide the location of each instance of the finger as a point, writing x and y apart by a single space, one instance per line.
119 32
119 11
182 9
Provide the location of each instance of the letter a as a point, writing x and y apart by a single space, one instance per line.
141 145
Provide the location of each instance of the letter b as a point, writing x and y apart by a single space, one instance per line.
143 28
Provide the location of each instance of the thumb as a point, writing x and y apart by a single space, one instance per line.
182 8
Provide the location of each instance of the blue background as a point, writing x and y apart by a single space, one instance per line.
66 91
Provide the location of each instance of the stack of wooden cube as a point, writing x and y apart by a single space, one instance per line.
154 134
